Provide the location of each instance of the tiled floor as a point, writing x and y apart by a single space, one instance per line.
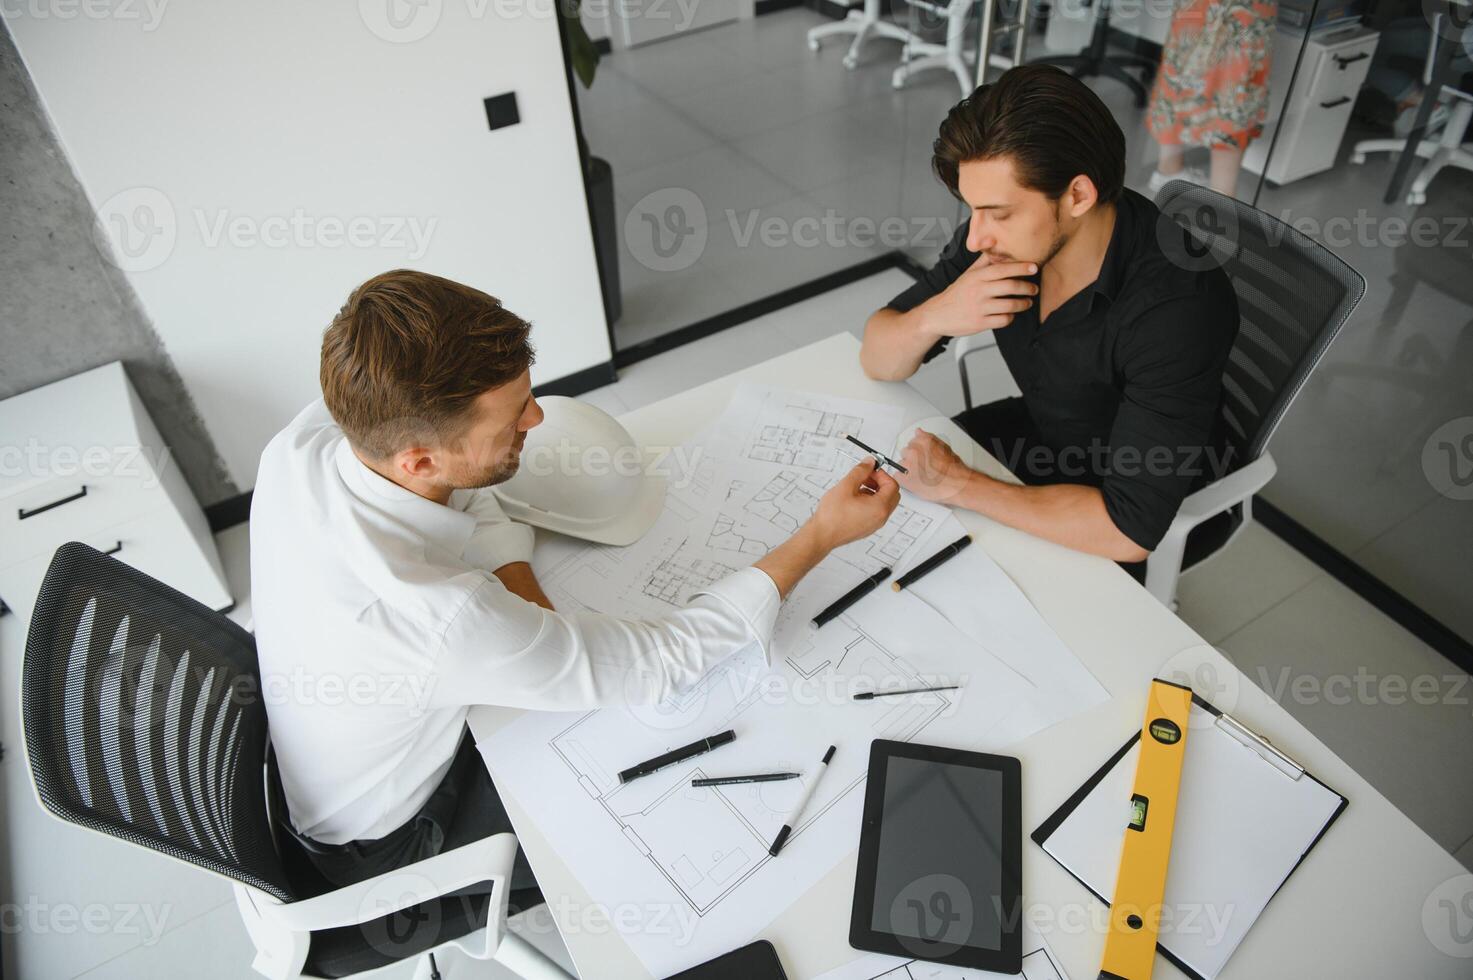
761 132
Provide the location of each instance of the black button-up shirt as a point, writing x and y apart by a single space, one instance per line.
1126 374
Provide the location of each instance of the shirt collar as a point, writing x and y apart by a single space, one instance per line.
447 528
1117 259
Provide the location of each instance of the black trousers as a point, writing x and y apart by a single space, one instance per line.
464 808
1005 429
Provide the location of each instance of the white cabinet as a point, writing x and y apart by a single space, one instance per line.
80 460
1313 118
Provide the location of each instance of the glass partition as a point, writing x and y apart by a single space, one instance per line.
1376 456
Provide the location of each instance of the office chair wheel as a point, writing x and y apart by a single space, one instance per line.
897 80
813 45
1416 197
1357 158
851 62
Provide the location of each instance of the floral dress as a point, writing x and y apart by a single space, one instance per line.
1212 88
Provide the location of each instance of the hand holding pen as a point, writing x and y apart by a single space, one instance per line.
848 512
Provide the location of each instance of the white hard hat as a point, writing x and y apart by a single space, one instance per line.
581 474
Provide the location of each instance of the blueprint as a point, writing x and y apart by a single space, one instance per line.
658 843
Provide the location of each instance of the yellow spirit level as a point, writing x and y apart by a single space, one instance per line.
1140 886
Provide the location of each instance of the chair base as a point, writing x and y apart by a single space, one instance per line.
865 25
1083 66
1449 150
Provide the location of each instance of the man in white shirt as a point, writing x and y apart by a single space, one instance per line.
391 593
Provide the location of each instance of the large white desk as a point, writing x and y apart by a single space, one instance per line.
1353 910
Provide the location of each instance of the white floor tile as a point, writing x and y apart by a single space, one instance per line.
1233 588
766 250
660 302
845 308
660 135
693 364
719 176
778 97
774 41
1465 854
1427 556
1357 680
680 66
213 944
825 148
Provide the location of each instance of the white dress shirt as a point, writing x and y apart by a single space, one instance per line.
379 622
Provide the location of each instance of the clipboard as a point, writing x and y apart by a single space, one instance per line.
1247 817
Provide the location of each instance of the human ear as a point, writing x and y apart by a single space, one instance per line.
1082 195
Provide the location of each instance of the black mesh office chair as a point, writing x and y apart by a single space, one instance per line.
143 720
1294 295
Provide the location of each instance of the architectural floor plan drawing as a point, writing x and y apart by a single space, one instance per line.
781 451
674 578
755 518
781 428
657 842
804 436
653 576
706 841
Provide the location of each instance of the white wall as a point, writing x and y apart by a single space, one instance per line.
255 161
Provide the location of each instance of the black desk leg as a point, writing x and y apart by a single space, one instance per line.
1441 69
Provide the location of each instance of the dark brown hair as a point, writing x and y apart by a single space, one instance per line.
410 352
1046 121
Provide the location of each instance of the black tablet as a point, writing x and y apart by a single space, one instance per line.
754 961
941 858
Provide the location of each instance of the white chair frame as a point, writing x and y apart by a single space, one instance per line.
282 931
1163 568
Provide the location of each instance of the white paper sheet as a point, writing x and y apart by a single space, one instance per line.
701 854
976 596
1039 963
1241 826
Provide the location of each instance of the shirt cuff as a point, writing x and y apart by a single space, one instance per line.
752 595
495 545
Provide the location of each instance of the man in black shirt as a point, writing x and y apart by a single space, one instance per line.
1117 345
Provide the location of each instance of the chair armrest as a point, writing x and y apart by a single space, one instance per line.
392 891
968 344
1219 495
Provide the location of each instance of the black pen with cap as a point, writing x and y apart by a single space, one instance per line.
699 747
797 811
837 607
879 457
932 563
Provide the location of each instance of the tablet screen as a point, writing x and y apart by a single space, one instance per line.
939 872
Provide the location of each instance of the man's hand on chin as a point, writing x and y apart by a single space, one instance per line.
936 473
